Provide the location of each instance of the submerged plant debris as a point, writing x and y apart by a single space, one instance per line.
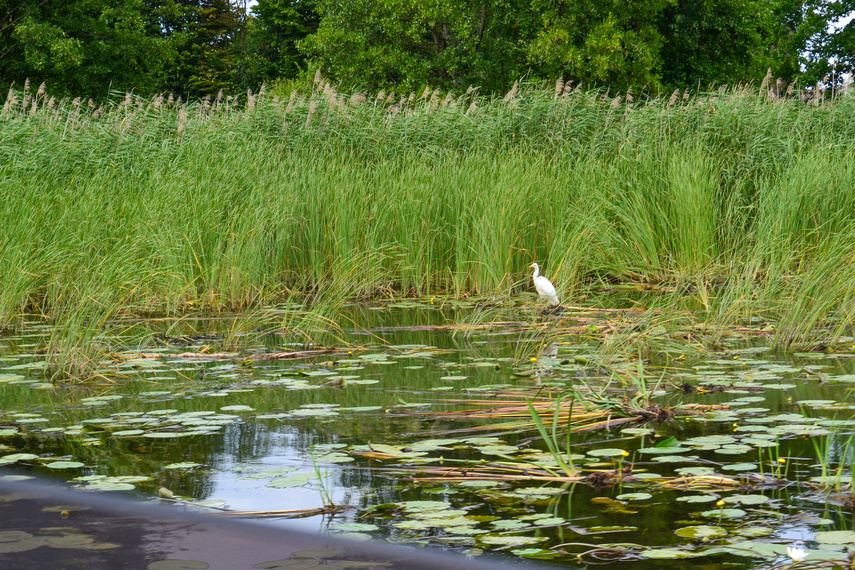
574 437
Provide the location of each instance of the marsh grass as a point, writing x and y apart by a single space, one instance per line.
314 198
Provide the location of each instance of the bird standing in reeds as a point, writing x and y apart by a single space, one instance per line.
544 286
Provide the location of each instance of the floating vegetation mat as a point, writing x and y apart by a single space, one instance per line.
537 438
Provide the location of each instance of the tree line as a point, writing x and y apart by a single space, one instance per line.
195 48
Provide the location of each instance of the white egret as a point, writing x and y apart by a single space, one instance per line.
544 286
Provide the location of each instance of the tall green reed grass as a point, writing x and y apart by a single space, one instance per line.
162 206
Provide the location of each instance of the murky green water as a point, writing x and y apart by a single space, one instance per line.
360 430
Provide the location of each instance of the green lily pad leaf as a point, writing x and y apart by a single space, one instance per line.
417 525
754 531
733 449
674 458
698 499
746 499
445 516
740 467
356 527
477 483
509 524
293 481
634 497
433 444
764 549
607 452
15 457
166 434
237 408
550 521
636 431
182 465
109 486
701 532
696 471
836 537
454 377
8 432
511 540
64 465
396 451
536 553
498 449
128 432
710 439
612 528
423 506
335 458
724 513
832 479
319 413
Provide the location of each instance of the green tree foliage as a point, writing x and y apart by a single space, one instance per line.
271 39
616 43
831 40
206 36
81 47
200 47
712 41
377 43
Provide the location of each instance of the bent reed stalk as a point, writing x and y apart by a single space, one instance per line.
146 206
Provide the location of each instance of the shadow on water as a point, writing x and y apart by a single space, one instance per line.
46 526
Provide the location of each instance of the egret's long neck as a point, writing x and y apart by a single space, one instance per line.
536 272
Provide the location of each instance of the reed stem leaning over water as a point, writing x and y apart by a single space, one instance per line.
150 206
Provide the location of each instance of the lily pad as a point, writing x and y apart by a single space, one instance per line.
504 540
356 527
634 496
607 452
64 465
836 537
701 532
746 499
182 465
740 467
724 513
293 481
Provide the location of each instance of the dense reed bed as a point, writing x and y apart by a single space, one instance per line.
159 206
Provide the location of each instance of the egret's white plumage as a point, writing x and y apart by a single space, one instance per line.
544 286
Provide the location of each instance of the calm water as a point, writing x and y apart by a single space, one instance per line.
270 436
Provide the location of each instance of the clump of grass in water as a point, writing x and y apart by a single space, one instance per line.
827 448
551 436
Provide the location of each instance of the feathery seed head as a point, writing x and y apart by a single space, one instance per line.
513 92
